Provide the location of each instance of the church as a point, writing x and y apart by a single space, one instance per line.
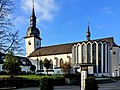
99 57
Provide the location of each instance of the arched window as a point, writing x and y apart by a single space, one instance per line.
83 54
75 54
107 57
94 55
51 62
99 58
56 62
61 62
41 64
88 53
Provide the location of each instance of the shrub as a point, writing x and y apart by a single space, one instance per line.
72 76
46 84
59 81
91 83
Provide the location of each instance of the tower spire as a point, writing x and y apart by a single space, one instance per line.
88 34
33 12
33 17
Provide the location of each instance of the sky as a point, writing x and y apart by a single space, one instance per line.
66 21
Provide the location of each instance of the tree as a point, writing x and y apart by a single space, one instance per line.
33 68
66 67
11 64
46 64
91 83
8 40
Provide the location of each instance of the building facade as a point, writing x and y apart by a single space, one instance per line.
100 56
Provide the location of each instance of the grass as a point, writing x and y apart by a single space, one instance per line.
36 77
3 76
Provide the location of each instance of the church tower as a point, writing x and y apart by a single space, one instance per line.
32 39
88 34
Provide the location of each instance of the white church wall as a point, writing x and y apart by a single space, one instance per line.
29 48
115 61
65 57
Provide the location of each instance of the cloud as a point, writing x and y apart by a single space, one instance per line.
99 26
45 9
71 22
19 20
107 10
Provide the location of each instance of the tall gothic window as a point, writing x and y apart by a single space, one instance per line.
94 56
77 57
61 62
51 62
41 64
104 58
75 54
89 53
56 62
99 58
107 56
83 54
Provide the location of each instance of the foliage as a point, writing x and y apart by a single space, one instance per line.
46 64
91 83
17 82
72 76
46 84
11 64
66 67
33 68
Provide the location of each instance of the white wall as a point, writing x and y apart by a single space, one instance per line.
65 58
115 60
29 48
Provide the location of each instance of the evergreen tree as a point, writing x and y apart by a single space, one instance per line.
46 64
11 64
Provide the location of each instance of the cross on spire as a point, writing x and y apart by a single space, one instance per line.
33 3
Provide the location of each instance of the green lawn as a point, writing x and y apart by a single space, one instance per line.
32 76
29 76
2 76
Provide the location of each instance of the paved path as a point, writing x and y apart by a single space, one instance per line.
55 88
108 86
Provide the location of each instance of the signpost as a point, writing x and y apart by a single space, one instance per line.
83 77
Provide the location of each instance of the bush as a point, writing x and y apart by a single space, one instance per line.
58 81
72 76
91 83
3 73
46 84
18 82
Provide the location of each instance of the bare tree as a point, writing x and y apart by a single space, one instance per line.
66 67
8 40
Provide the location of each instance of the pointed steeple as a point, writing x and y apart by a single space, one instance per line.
88 34
33 12
33 17
32 29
